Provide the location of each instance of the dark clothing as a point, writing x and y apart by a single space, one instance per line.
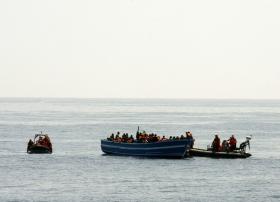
30 143
216 144
190 137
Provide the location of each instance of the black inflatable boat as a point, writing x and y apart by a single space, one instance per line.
208 153
237 153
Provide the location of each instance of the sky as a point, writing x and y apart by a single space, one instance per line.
140 49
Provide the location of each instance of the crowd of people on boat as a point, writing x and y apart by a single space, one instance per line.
226 146
143 137
41 141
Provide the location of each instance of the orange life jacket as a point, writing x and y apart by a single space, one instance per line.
232 141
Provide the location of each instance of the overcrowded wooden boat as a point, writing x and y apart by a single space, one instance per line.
163 149
147 145
40 145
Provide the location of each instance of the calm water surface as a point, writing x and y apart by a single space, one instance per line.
78 171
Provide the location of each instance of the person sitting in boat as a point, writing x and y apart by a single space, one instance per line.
131 138
216 144
111 138
124 137
127 137
40 140
142 138
137 135
145 139
29 145
156 138
46 142
150 137
225 146
50 146
232 143
117 138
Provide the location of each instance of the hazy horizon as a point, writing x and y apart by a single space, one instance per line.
140 49
144 98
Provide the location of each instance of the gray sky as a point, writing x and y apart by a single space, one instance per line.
140 48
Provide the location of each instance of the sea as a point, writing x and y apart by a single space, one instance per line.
77 170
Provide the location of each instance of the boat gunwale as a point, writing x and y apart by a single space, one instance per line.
146 143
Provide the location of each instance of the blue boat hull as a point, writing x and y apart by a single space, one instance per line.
165 149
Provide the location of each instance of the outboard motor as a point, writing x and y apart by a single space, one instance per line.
244 144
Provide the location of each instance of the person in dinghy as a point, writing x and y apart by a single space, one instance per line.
41 144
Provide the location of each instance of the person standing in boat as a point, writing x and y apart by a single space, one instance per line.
232 143
189 136
216 144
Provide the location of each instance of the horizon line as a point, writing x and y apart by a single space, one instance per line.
132 98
